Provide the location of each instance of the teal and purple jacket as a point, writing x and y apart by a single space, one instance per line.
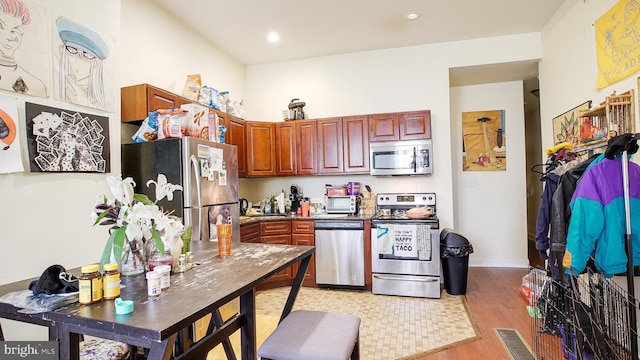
597 226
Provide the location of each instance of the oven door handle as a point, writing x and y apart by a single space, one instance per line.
391 277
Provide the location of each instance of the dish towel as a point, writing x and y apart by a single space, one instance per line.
424 242
404 241
385 239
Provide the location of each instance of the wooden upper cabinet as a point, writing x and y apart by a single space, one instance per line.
330 155
412 125
138 100
383 127
236 136
415 125
306 147
355 132
261 155
285 148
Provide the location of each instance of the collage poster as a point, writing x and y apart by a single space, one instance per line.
66 141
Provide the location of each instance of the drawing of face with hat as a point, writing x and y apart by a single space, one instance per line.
82 54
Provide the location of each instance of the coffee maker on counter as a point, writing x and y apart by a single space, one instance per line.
296 198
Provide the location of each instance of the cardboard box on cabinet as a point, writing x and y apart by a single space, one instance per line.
200 119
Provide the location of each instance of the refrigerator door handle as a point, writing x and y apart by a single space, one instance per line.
196 175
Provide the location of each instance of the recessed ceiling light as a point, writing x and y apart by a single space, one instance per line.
273 37
411 15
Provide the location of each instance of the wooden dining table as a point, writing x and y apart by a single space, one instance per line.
164 324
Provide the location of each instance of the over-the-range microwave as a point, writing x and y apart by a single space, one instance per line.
412 157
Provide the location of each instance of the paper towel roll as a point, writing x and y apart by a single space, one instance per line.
280 200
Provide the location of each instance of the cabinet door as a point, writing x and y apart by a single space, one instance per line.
261 156
285 148
277 232
268 228
356 144
306 151
330 156
236 136
302 227
138 100
160 99
250 233
383 127
286 274
310 275
415 125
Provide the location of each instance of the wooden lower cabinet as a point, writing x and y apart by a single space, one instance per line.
283 232
250 233
277 232
302 233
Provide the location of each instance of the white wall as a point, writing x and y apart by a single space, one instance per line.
45 217
568 69
160 50
491 205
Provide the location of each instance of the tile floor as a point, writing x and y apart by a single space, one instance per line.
393 327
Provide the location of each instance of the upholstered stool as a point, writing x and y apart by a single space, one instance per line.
314 335
101 349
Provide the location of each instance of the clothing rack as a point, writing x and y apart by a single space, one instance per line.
627 240
594 318
584 318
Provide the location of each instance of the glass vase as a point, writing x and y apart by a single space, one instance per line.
133 259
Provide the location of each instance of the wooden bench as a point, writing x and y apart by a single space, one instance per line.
313 335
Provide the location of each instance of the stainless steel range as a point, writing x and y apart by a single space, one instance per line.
405 248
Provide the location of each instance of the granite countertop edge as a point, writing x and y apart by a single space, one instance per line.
245 220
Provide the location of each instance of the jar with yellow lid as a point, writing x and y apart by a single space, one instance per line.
90 285
111 281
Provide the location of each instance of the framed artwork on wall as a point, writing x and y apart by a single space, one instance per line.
60 140
484 141
566 126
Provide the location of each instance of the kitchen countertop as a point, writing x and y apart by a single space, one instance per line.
324 216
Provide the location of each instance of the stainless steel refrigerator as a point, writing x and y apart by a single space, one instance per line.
207 172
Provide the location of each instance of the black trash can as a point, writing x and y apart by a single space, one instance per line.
455 250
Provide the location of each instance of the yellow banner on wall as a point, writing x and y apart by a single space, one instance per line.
618 43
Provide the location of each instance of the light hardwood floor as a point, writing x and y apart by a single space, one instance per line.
494 302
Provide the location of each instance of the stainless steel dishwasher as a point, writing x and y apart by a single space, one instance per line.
340 253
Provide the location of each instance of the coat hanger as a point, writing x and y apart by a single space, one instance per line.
546 168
